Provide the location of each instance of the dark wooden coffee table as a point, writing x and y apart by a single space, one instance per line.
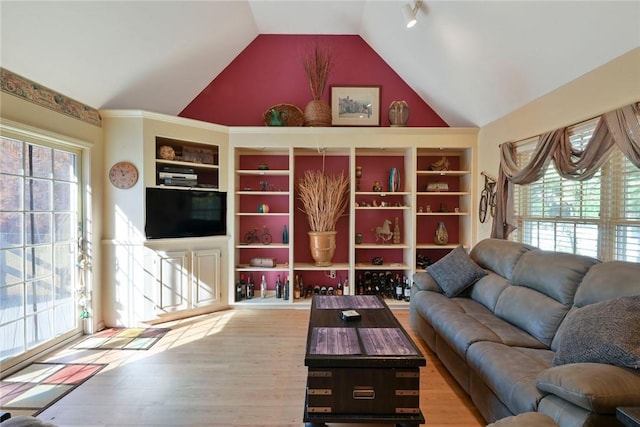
366 370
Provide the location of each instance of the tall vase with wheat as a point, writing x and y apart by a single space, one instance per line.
324 200
316 67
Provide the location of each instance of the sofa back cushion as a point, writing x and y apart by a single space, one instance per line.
603 282
608 280
554 274
487 290
499 256
543 286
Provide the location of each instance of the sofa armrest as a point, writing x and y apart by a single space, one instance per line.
596 387
424 282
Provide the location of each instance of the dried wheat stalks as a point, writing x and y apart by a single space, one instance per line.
316 67
324 198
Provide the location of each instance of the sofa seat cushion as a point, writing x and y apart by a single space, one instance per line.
510 372
462 322
593 386
529 419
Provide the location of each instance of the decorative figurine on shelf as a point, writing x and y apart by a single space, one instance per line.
377 186
358 177
263 167
377 260
440 165
285 234
277 118
398 113
264 185
358 238
384 232
396 232
166 152
442 236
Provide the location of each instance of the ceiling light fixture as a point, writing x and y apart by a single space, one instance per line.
410 13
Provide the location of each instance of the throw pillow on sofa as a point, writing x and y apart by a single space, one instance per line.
604 332
455 272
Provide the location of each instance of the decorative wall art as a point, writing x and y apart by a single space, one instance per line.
355 105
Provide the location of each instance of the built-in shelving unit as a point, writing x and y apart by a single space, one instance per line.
181 164
442 196
386 228
258 167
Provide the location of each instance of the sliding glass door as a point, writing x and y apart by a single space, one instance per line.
40 217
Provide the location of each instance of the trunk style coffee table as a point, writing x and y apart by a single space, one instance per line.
364 370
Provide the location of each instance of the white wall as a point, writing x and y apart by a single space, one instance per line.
606 88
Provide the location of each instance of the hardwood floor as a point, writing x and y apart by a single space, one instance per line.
242 367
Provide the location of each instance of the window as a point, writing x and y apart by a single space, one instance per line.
599 217
39 222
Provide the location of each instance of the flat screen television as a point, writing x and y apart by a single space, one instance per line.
174 213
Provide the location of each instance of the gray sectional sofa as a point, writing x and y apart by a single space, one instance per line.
522 330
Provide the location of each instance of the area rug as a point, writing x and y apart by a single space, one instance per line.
40 385
122 339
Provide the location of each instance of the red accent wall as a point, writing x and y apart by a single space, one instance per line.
269 71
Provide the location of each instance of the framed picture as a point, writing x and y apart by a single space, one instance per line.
355 105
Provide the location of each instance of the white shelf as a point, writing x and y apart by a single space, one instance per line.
382 246
390 208
382 193
186 164
267 172
305 266
262 214
443 193
385 266
261 245
443 173
443 213
262 193
247 267
434 246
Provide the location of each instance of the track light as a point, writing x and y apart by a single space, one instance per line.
410 13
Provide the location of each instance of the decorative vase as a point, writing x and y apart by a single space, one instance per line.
322 245
394 180
442 236
317 113
396 232
398 113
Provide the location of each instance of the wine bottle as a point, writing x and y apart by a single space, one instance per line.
399 290
278 287
360 285
296 290
339 288
243 287
251 287
345 286
303 291
285 291
285 234
407 289
238 291
263 287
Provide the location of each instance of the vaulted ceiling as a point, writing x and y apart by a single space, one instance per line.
471 61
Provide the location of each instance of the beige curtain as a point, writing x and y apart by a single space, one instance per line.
619 127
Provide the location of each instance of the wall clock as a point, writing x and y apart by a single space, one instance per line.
123 175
